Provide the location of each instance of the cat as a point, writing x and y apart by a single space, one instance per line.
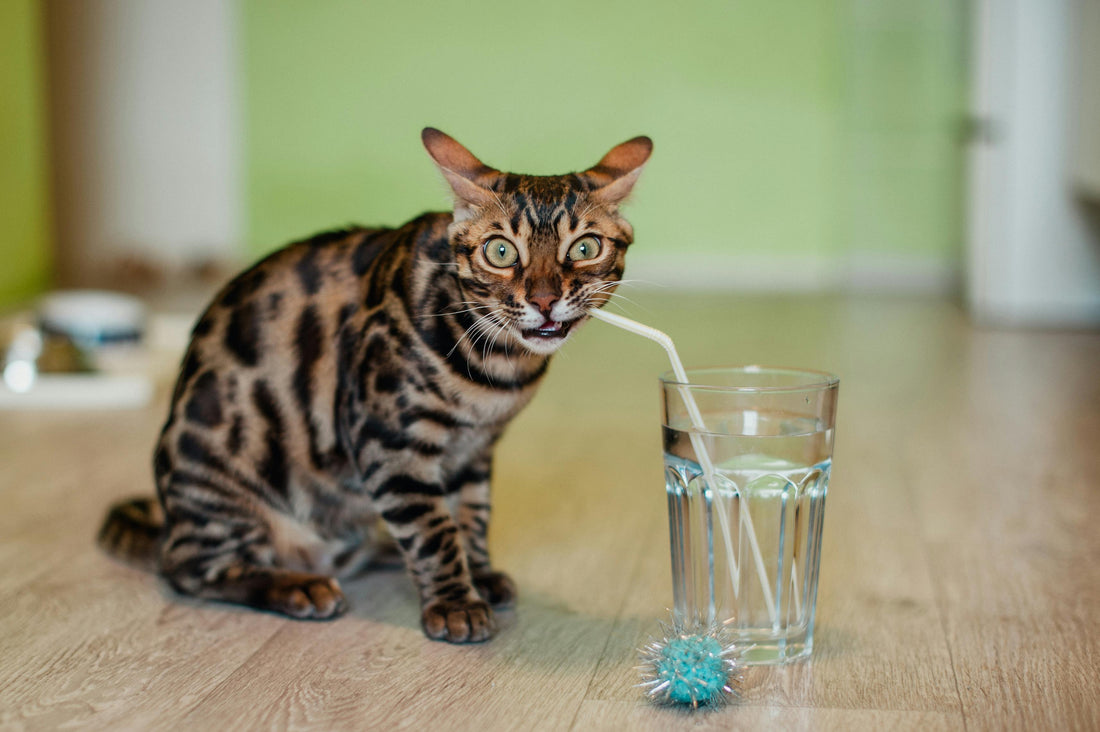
345 394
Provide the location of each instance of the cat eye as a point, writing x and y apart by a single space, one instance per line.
501 253
587 247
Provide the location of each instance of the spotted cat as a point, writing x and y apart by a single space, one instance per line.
347 392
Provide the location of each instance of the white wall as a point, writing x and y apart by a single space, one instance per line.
1034 252
144 121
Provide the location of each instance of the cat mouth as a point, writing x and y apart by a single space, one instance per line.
550 330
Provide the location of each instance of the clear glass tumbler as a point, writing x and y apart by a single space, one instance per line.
747 454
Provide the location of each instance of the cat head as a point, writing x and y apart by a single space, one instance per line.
535 253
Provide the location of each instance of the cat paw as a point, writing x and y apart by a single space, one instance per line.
496 588
458 622
306 596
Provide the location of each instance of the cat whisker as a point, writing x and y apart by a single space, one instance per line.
595 292
608 287
622 304
586 210
494 325
502 327
605 288
487 342
471 332
647 283
476 334
491 327
453 312
484 327
499 203
598 299
616 296
473 306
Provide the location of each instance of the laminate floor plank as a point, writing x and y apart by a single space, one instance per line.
100 646
623 715
1007 482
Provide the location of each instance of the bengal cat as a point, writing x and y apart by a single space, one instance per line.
347 392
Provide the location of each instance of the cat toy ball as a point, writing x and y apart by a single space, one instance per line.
692 664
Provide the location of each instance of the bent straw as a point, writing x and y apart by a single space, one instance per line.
704 457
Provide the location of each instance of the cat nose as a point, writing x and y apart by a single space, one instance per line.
543 302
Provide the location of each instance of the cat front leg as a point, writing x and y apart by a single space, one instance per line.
473 514
417 516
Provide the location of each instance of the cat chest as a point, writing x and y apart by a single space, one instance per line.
447 403
445 437
489 409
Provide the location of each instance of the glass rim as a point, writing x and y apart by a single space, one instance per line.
816 381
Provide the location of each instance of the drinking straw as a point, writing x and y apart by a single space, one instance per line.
709 473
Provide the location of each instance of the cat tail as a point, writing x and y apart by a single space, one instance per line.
131 532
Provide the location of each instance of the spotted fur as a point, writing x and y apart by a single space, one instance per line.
345 394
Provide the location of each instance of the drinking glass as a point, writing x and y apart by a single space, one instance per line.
747 455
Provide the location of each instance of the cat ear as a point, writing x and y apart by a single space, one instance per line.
617 172
466 174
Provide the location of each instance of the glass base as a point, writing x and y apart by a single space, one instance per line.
772 651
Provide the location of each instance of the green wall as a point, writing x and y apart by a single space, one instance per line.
822 129
24 202
903 99
819 128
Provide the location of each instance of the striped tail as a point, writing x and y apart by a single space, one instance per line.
131 532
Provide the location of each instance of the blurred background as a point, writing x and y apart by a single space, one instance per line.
901 192
941 148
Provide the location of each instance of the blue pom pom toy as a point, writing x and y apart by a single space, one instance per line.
693 664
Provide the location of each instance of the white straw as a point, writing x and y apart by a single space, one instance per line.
701 453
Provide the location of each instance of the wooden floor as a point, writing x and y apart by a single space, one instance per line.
960 583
